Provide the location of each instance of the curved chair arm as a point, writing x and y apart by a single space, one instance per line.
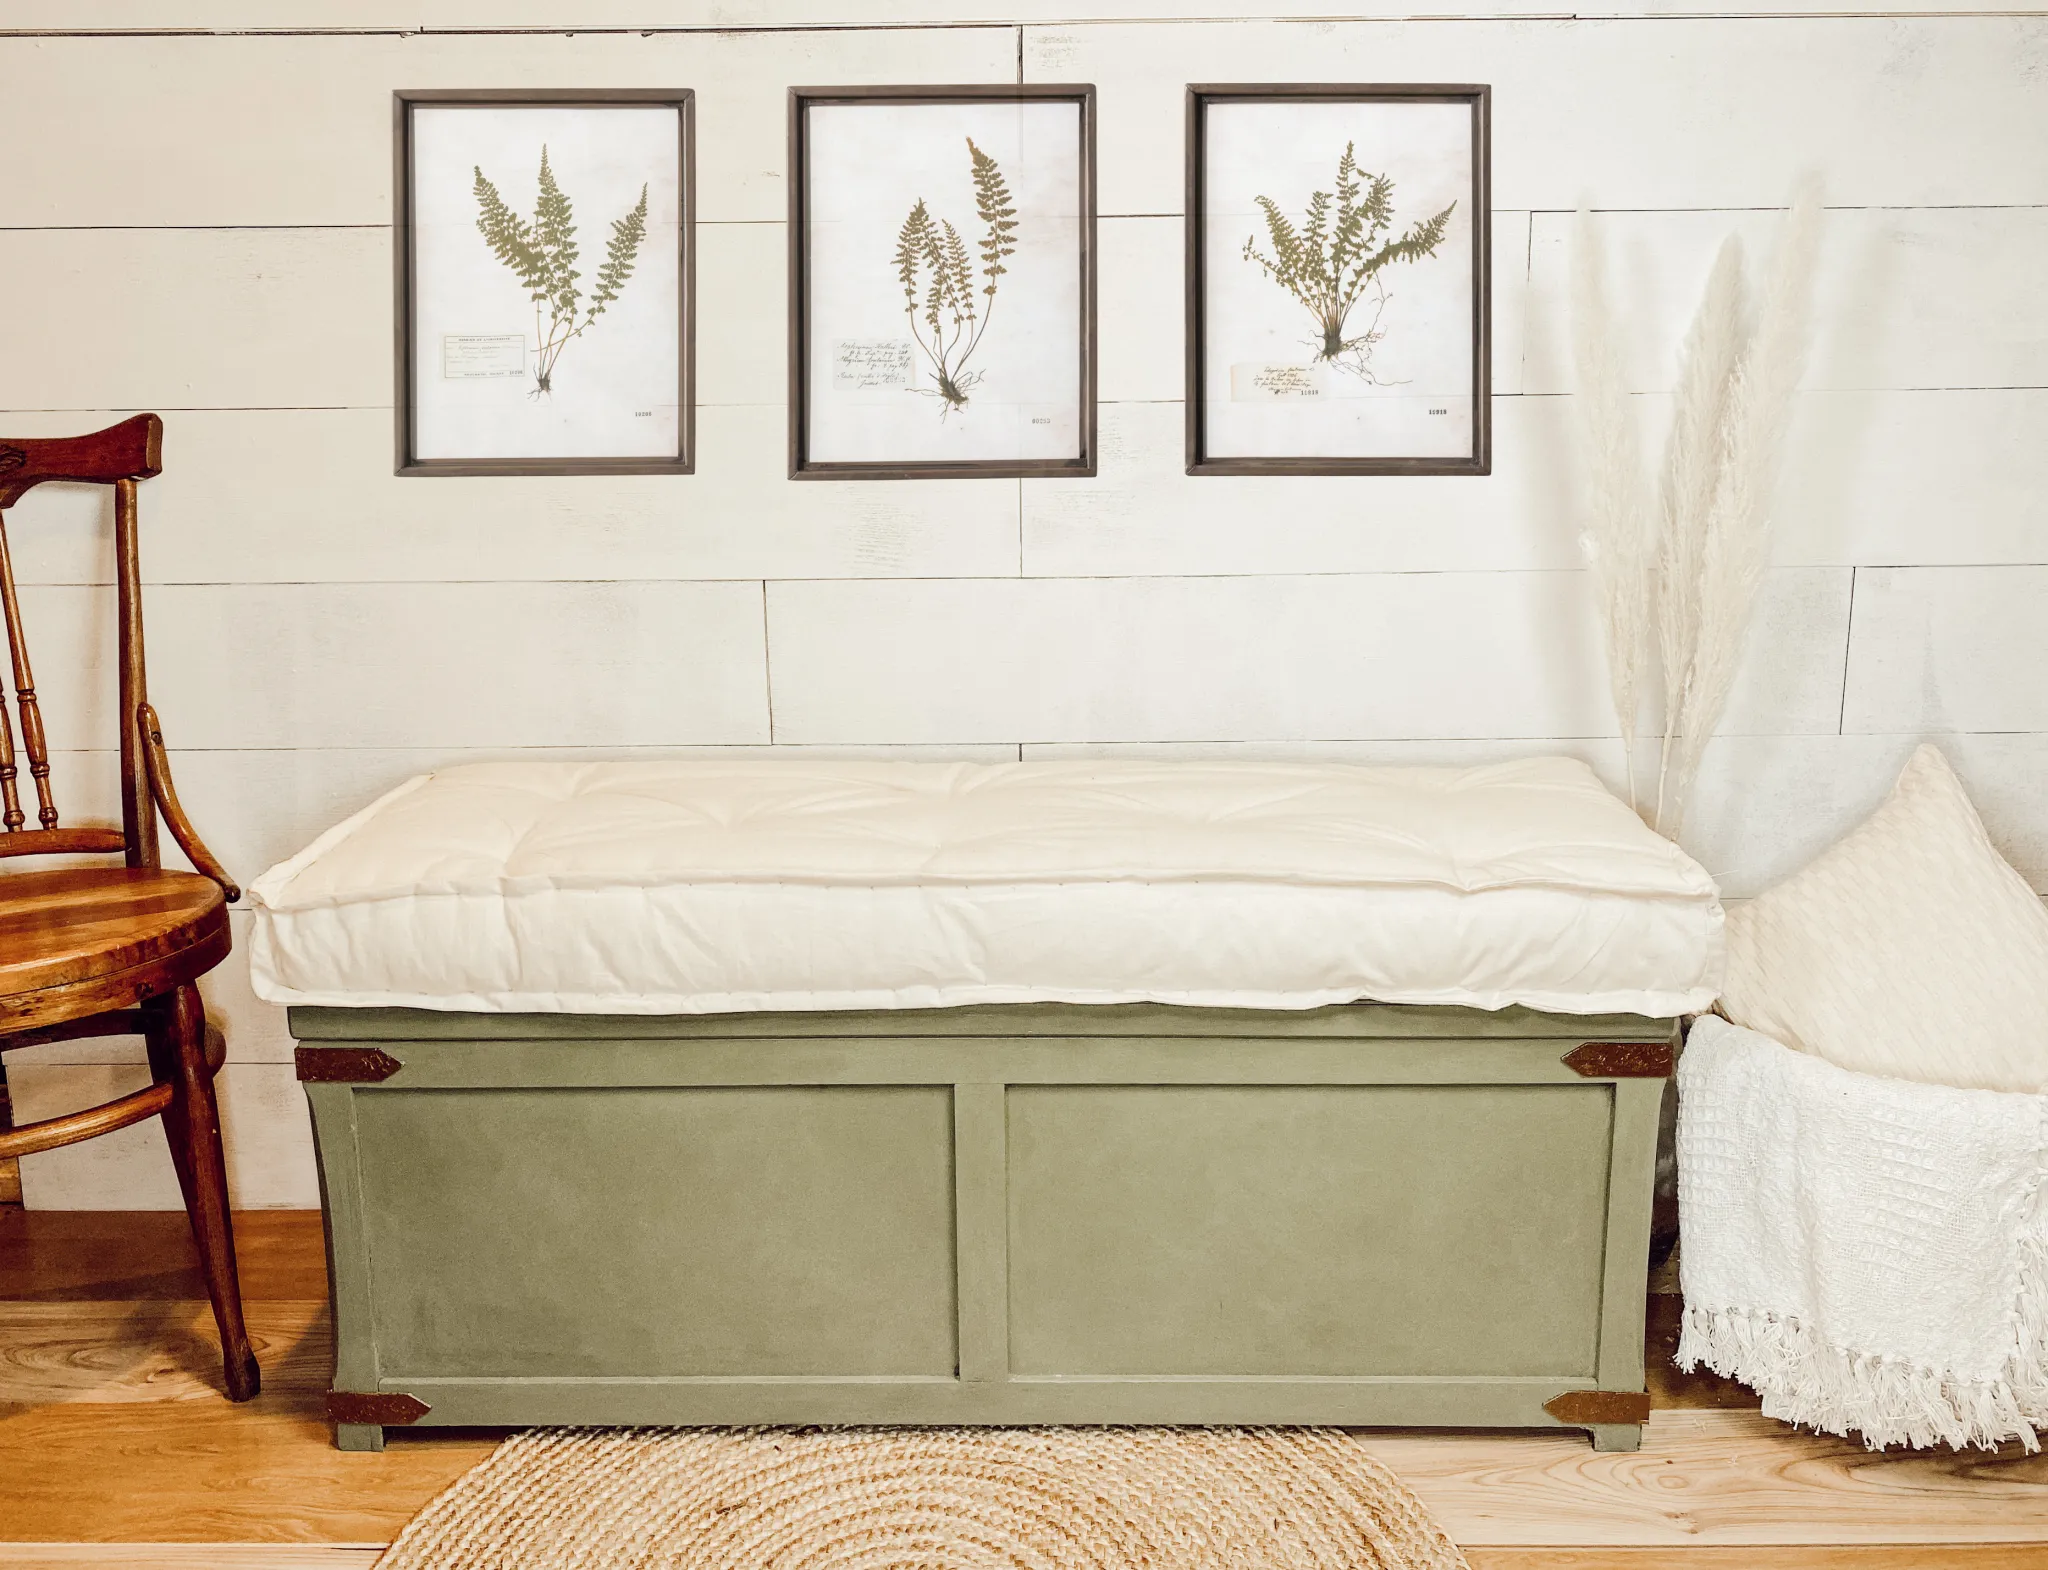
166 796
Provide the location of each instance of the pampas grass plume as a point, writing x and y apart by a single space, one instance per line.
1618 503
1737 545
1693 454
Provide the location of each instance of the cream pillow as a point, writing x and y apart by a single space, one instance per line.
1908 948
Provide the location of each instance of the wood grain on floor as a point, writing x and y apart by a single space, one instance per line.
112 1430
206 1472
60 1256
158 1349
1951 1556
1715 1477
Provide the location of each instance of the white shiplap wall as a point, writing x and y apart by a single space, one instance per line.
197 221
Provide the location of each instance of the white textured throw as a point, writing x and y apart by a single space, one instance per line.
1867 1253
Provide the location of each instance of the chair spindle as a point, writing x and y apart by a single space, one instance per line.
33 743
11 818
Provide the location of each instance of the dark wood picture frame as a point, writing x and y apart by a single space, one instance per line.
684 101
1479 460
801 466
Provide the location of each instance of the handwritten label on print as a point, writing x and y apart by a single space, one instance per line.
864 364
473 356
1271 383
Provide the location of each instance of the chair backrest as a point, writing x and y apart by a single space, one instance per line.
118 456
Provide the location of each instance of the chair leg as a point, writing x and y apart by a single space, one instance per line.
177 1052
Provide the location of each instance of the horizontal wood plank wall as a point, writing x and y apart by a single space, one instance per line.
204 230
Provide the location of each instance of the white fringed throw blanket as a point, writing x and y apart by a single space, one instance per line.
1867 1253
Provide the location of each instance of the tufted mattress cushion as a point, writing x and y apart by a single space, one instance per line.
777 883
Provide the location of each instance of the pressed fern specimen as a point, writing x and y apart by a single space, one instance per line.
947 320
542 255
1329 266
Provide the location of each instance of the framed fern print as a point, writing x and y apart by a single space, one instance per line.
544 282
942 281
1338 300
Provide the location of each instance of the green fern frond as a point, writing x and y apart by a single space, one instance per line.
1347 176
543 254
620 252
506 233
1422 240
554 234
909 248
933 256
936 270
1349 239
998 217
1378 207
958 283
1284 266
1330 261
1314 227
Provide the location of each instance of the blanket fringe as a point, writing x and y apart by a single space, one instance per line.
1807 1381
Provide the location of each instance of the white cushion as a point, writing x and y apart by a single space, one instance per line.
781 883
1908 948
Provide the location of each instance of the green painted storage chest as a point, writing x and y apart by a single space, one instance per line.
1367 1215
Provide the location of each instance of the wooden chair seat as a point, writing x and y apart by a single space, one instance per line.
97 938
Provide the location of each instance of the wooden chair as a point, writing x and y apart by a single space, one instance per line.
114 951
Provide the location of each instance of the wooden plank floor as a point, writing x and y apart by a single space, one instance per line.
116 1449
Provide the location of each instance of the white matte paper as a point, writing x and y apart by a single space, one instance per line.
1267 390
868 167
613 391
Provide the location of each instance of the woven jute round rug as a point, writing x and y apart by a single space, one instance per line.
927 1499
